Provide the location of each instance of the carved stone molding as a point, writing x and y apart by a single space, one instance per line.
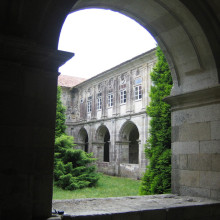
194 99
31 54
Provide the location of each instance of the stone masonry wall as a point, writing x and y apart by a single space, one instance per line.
196 145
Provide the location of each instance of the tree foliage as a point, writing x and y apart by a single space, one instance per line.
60 115
157 178
73 168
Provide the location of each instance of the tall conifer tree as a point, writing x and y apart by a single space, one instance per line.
157 178
60 115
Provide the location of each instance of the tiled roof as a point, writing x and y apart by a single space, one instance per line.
69 81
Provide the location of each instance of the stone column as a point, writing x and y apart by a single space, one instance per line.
104 100
196 143
129 94
90 137
116 97
80 146
144 133
27 115
146 83
123 151
94 103
99 151
122 155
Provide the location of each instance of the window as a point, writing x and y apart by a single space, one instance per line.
138 92
138 81
138 89
123 96
110 99
99 101
89 104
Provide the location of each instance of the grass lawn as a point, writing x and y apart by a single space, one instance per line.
108 186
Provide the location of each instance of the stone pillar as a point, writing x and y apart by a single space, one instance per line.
144 132
196 143
27 115
94 103
79 146
116 97
146 83
91 138
123 151
99 146
104 100
129 94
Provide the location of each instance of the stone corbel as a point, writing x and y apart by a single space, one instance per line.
194 99
30 54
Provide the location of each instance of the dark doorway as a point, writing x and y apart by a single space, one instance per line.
106 146
86 144
133 145
84 140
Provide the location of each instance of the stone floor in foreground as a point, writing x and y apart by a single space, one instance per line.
109 206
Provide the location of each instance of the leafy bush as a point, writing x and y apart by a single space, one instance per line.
73 168
157 178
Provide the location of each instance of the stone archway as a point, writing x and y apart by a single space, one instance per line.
103 143
129 137
134 146
191 55
106 146
83 139
170 24
187 31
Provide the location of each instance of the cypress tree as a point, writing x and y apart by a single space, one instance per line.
157 178
60 115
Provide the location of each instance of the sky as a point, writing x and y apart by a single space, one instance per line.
100 40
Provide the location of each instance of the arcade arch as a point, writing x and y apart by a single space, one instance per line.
176 30
129 135
103 137
189 44
84 139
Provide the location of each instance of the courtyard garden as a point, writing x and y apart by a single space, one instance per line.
107 186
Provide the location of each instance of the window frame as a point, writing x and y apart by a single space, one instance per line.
99 101
123 96
110 99
89 104
138 92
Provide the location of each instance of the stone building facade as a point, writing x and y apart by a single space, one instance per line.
107 116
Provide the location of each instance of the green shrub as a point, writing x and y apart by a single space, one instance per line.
157 178
73 169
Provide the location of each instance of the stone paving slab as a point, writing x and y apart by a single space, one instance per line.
100 206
